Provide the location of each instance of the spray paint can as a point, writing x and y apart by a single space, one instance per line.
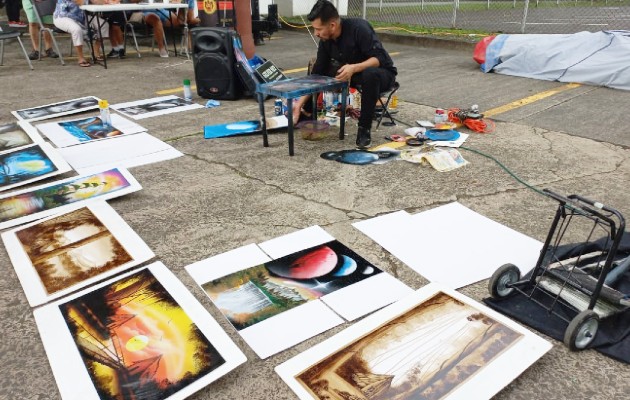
277 107
440 116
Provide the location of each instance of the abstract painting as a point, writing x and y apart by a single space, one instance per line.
141 335
428 346
68 251
57 109
21 206
71 248
254 294
13 136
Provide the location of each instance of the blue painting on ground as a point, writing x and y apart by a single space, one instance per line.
25 164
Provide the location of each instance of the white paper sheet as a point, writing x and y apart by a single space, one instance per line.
41 201
352 289
147 108
59 109
126 152
81 257
61 137
452 244
490 377
72 378
295 241
45 153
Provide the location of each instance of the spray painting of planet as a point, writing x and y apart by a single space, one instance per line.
252 295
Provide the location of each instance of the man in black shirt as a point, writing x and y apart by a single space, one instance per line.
350 51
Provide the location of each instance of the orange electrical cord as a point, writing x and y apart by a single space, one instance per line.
477 125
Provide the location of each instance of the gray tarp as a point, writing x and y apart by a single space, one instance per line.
599 58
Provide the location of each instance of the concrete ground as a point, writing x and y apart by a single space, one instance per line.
225 193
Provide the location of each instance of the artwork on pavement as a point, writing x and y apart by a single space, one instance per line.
254 294
68 251
156 106
433 344
141 335
57 109
18 207
28 164
423 354
14 136
90 129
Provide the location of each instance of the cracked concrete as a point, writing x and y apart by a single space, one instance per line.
226 193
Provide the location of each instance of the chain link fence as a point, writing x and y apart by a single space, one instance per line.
507 16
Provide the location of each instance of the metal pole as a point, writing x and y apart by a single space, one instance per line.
380 5
514 4
525 9
454 19
488 4
364 9
422 4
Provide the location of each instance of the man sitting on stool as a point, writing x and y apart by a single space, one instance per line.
350 51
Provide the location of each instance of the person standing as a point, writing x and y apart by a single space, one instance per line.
349 50
13 13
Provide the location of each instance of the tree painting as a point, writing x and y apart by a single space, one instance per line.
136 341
425 353
71 248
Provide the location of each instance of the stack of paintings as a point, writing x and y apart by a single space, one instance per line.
284 291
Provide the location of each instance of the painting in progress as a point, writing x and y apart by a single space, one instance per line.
71 248
255 294
425 353
136 341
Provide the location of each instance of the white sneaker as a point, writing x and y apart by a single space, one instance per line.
163 53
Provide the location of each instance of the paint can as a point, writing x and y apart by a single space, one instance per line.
278 107
441 116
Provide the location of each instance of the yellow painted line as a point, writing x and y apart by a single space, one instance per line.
294 70
176 90
528 100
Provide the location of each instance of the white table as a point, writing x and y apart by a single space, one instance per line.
94 10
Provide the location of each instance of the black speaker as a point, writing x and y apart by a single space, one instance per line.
214 63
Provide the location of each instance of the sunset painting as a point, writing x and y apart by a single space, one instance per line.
136 341
71 248
425 353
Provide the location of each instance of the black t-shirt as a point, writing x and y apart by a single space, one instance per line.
357 43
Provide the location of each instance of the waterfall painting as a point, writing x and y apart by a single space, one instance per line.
431 350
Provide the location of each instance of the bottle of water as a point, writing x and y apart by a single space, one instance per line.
106 117
187 91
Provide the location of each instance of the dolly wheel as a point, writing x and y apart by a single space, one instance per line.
581 330
502 277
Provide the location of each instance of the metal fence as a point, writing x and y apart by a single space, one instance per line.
507 16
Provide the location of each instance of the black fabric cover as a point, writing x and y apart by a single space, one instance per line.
613 337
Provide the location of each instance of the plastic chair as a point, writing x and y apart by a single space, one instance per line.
43 8
11 34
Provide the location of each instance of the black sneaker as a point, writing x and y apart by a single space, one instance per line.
34 55
363 138
121 53
113 54
51 53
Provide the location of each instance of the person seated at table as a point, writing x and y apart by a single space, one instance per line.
70 18
349 50
116 21
155 22
33 31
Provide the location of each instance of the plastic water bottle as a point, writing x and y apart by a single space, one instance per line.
106 117
187 91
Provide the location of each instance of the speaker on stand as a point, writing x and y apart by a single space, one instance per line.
214 63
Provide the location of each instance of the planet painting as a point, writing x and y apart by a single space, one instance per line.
348 267
313 264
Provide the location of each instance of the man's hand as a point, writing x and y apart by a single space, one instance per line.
345 72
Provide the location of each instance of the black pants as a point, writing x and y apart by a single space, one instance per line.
13 9
372 82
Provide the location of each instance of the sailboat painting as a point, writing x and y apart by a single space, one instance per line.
133 338
429 351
